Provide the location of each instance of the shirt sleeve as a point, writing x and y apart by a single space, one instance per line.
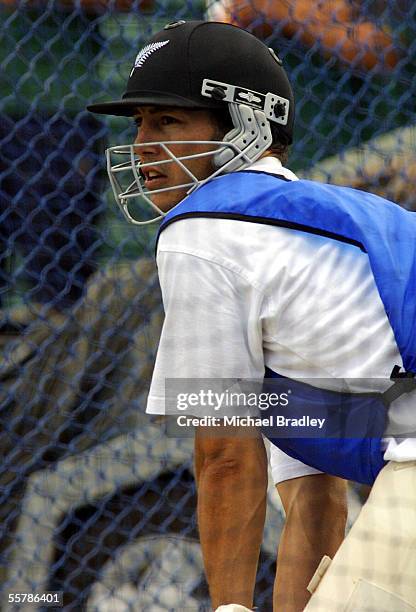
212 326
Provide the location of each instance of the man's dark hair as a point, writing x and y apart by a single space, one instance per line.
279 148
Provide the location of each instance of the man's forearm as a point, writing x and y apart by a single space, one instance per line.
316 513
232 487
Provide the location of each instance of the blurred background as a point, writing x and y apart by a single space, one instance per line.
96 500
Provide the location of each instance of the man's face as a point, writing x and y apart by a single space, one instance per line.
165 123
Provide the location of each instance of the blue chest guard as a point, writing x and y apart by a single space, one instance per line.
383 230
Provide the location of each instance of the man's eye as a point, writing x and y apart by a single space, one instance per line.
168 119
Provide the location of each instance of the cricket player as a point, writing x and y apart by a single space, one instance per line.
265 277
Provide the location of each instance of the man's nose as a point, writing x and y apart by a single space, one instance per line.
145 133
144 136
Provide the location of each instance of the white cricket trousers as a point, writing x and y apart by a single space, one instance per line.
374 569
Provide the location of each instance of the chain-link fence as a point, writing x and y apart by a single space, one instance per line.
96 501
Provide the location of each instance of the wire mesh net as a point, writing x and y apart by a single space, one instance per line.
96 501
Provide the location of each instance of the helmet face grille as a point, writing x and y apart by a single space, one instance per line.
249 138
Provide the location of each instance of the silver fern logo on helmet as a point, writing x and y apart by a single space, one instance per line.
146 52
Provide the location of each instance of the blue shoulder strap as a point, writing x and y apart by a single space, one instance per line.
385 231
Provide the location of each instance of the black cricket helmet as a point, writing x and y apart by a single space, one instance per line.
203 65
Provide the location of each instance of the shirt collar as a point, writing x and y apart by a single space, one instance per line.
272 165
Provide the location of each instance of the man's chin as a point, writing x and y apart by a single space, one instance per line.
166 201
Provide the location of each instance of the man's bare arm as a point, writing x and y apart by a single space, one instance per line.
232 485
316 515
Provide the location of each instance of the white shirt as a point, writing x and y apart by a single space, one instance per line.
239 296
